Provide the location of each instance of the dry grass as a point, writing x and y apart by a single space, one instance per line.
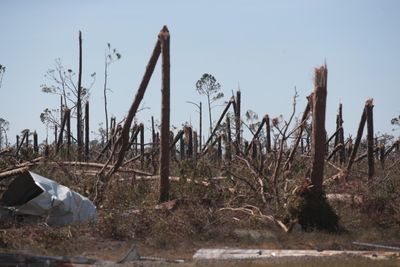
128 214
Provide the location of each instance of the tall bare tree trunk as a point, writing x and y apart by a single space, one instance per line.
17 145
87 131
209 112
238 121
318 128
79 102
164 38
228 146
342 154
370 137
153 132
141 126
68 119
200 126
268 133
105 95
35 143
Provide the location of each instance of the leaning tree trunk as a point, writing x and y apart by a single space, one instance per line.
354 149
133 109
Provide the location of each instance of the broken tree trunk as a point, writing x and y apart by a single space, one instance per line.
133 139
27 140
336 149
238 121
342 154
20 143
382 155
217 125
17 144
61 134
312 209
370 136
87 131
68 120
175 139
318 128
35 143
79 102
255 136
357 142
181 148
189 138
164 38
228 145
55 133
153 132
395 145
268 133
195 147
141 127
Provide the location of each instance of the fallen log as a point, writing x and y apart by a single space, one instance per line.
13 172
20 168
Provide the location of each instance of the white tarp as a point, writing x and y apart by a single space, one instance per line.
32 194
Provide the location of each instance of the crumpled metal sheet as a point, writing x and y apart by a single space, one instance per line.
57 203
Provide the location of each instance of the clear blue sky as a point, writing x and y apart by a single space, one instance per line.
268 47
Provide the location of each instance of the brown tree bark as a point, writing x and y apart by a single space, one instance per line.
61 134
87 131
238 121
357 142
318 128
79 102
342 154
228 148
164 38
217 125
370 137
134 107
68 121
141 126
268 133
35 143
189 138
